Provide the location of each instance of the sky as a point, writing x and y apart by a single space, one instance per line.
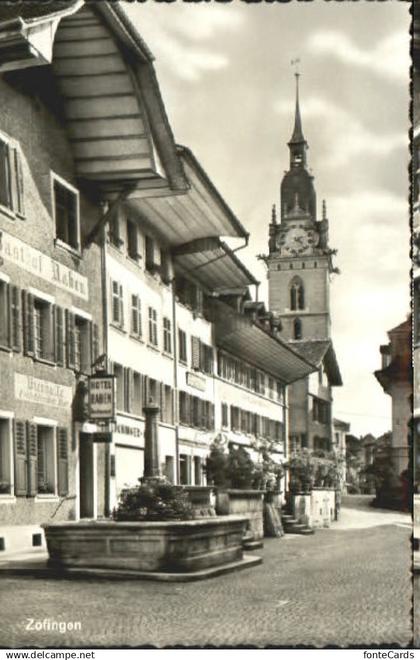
227 83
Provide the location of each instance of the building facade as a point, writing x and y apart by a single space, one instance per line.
300 266
111 259
395 377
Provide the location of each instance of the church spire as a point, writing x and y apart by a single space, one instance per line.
297 136
297 144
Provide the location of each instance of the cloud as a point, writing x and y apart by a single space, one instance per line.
347 137
178 42
389 58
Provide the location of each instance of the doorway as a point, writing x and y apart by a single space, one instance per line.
86 476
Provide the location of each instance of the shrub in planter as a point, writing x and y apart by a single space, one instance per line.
301 472
241 470
234 469
216 466
153 501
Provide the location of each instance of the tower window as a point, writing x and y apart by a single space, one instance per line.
297 295
297 329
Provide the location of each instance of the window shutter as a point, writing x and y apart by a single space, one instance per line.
71 339
19 178
128 389
146 390
195 353
59 336
28 326
121 305
86 357
211 419
51 345
95 342
189 410
32 446
16 181
15 313
162 402
21 458
5 314
210 359
4 174
62 462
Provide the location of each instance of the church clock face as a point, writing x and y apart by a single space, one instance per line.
298 240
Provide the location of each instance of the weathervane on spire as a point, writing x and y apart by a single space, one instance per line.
296 63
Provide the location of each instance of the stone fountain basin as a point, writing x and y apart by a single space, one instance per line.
148 547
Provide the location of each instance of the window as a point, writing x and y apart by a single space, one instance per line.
136 320
297 295
320 410
165 268
153 393
182 346
225 415
137 396
38 327
132 241
45 460
167 336
184 408
190 294
166 404
150 254
234 418
11 178
117 304
184 469
201 356
119 378
10 316
153 337
297 329
169 469
41 459
66 213
198 472
195 353
114 231
321 444
5 457
80 335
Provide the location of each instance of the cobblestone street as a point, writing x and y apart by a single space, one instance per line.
342 586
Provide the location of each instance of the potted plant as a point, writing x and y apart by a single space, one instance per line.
158 500
4 488
239 485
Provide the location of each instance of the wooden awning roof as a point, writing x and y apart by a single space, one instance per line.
213 264
112 108
199 213
237 334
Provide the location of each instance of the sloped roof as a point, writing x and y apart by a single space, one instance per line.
321 352
213 264
34 9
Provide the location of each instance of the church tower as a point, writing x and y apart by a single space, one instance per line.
299 260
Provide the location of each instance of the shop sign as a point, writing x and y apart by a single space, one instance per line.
101 389
35 262
196 381
43 392
102 436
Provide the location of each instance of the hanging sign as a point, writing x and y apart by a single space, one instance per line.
101 388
